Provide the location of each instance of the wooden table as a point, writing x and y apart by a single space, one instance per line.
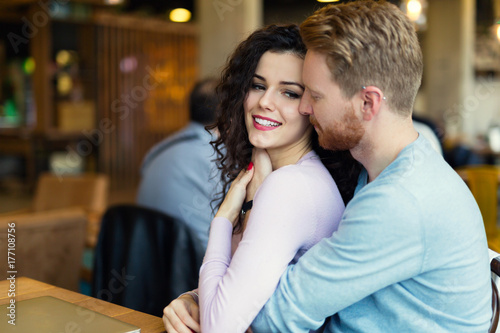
27 288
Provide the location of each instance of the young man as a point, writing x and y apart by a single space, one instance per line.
410 254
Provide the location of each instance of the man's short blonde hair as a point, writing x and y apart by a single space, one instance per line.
368 43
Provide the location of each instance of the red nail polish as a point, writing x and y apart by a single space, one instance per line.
250 166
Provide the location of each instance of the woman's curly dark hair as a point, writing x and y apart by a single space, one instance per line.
234 150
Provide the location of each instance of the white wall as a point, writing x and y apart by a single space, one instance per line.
222 25
485 107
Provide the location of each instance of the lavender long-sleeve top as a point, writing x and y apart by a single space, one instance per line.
295 207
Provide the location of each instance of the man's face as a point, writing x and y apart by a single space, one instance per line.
332 115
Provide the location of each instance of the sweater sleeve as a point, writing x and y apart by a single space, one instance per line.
379 242
283 220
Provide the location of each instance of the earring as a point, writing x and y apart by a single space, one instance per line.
384 98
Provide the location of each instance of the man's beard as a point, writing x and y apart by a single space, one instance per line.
343 135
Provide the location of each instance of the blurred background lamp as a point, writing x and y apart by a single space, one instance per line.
64 84
63 57
128 64
180 15
328 0
414 9
113 2
498 31
29 65
61 163
494 138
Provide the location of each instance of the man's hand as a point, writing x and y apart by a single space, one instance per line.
182 315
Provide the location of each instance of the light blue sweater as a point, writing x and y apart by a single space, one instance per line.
410 255
179 178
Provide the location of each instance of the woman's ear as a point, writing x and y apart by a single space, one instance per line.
372 98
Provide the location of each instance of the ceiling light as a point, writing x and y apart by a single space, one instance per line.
414 8
180 15
328 0
113 2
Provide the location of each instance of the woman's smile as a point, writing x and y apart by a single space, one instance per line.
265 124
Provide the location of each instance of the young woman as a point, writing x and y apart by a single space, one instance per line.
269 156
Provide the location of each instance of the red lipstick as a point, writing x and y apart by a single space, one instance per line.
262 127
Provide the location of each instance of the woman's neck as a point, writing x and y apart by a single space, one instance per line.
289 155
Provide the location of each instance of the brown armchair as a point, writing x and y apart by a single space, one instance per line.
483 181
88 191
48 246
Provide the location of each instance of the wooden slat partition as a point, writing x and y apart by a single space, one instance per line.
40 50
145 70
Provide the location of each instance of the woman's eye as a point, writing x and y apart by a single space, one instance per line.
291 95
257 86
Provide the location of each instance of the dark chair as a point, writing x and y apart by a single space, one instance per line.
144 259
495 303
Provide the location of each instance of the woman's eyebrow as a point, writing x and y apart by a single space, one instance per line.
288 83
293 84
259 77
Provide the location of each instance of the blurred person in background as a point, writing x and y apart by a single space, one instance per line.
178 175
429 130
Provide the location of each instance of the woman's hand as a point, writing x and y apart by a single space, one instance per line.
231 206
182 315
263 168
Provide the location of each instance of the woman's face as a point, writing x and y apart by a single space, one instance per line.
271 107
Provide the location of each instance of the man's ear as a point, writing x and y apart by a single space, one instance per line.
372 98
